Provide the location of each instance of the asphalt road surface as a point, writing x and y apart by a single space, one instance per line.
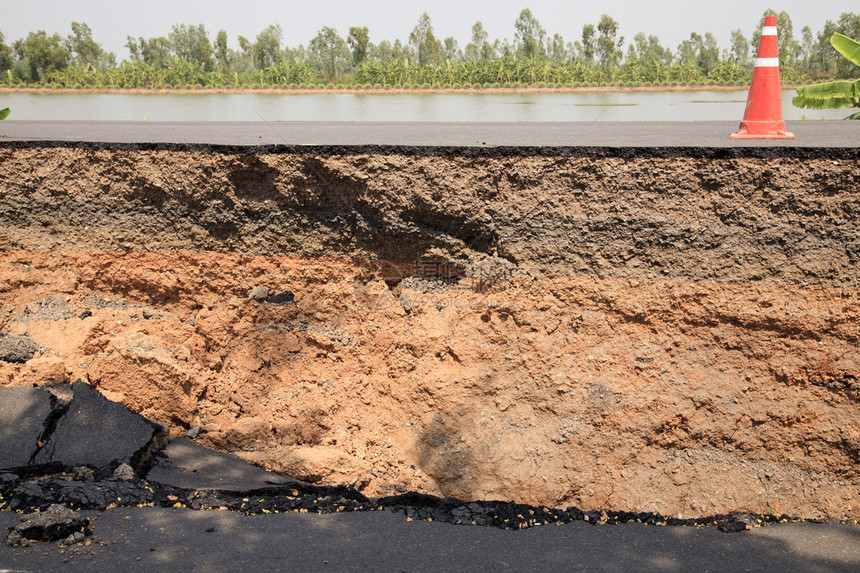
815 134
159 539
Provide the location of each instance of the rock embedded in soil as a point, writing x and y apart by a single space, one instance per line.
656 332
17 348
259 293
124 471
281 298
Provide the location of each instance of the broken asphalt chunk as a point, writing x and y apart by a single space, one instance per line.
184 464
23 419
56 523
101 434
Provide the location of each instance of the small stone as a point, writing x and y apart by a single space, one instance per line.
282 298
83 473
193 432
734 523
405 303
259 293
13 539
123 471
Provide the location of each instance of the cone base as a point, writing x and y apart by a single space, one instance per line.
762 130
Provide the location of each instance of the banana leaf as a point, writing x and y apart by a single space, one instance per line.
831 95
846 46
4 113
834 95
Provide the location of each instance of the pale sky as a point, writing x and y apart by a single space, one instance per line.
670 20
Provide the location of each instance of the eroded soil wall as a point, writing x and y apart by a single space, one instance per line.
672 331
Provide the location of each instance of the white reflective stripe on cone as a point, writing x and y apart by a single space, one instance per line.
768 31
767 62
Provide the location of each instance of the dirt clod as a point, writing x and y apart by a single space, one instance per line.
17 349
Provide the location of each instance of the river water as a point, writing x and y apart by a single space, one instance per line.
430 107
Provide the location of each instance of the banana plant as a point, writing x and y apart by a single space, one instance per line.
4 113
834 95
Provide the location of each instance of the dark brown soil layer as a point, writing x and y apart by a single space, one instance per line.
778 220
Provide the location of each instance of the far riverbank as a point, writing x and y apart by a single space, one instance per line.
392 90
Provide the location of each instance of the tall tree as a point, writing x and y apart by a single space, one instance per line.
330 53
588 47
452 50
475 48
155 51
557 49
709 55
134 48
6 60
740 49
40 54
359 41
191 43
242 60
807 42
608 47
267 48
424 42
688 50
83 49
296 55
245 55
222 52
385 51
649 50
529 36
503 48
399 51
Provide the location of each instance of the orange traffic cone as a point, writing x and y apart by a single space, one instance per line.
763 114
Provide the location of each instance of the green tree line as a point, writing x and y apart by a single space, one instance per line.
188 57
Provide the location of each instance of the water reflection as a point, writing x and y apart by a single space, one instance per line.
431 107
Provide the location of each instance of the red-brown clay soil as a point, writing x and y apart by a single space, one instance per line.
672 332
